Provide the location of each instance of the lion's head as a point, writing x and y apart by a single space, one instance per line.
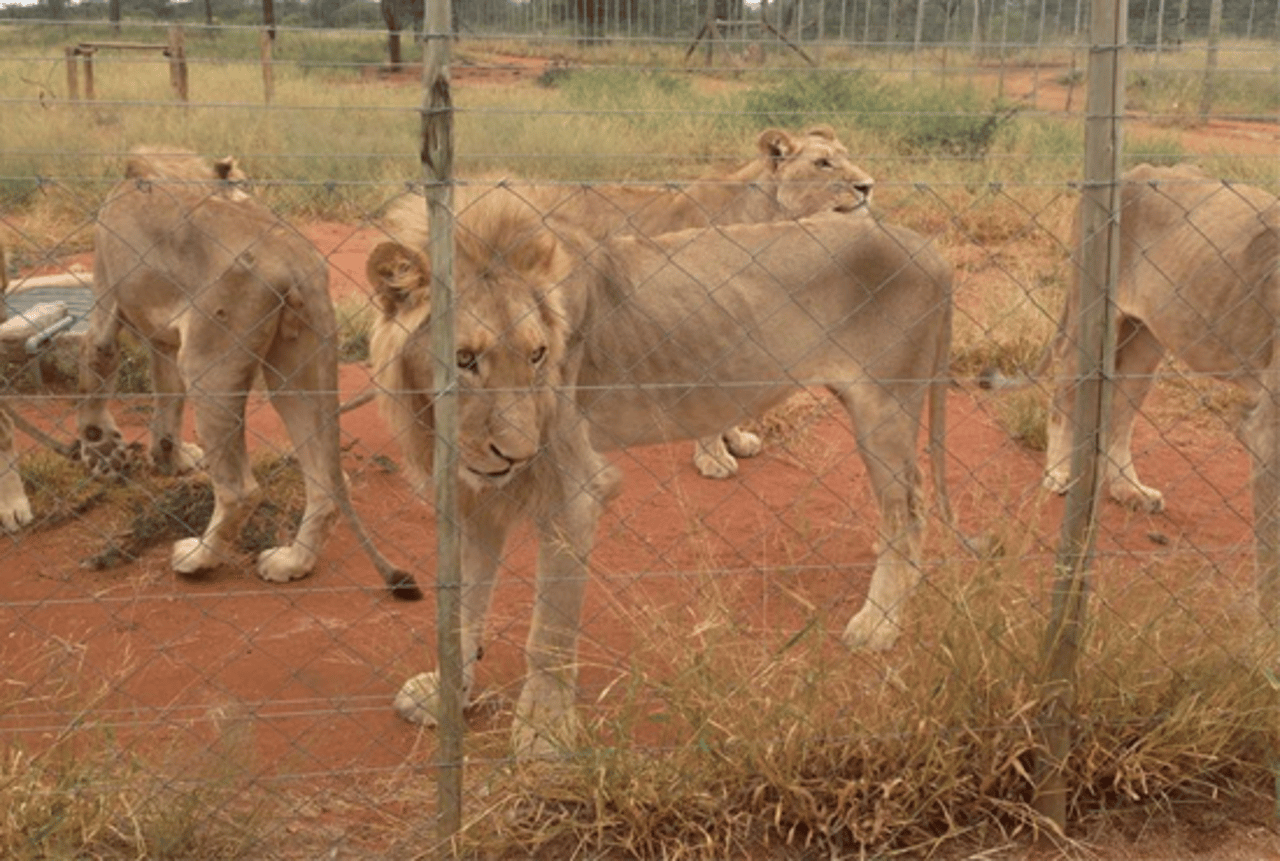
511 337
183 166
812 172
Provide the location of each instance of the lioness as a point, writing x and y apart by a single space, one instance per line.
15 508
792 176
567 348
1198 277
219 286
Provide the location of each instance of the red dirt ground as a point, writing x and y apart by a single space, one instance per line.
315 663
310 668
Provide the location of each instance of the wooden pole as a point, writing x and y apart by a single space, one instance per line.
268 70
73 74
1096 271
89 93
1211 59
177 63
437 163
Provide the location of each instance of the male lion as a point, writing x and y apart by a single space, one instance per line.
219 286
1198 277
567 348
793 176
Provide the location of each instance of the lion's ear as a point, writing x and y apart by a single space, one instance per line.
400 277
535 255
821 130
225 168
776 144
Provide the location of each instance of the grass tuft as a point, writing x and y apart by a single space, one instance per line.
721 740
165 510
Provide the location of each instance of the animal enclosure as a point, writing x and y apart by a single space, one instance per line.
718 710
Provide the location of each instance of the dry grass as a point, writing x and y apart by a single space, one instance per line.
721 741
82 791
163 510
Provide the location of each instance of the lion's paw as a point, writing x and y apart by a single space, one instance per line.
743 443
106 455
1056 481
192 555
713 460
546 722
283 564
177 460
870 631
1137 496
418 700
15 509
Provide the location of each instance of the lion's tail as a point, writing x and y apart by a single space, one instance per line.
938 420
399 581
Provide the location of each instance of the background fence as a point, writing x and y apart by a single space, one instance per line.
146 713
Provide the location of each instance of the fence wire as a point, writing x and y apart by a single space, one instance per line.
712 261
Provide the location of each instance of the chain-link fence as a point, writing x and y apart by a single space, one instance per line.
676 297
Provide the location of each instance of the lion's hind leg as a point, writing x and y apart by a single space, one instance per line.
301 371
220 412
169 454
101 445
15 509
310 419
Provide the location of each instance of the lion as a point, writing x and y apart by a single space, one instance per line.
793 176
568 348
1198 279
15 508
218 286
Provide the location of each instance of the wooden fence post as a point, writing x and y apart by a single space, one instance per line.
73 74
90 93
177 63
1096 272
268 71
437 163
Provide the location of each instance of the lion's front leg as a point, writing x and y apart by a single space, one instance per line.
546 721
484 533
15 509
877 625
169 454
887 425
716 456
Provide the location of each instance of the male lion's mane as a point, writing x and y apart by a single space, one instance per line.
503 233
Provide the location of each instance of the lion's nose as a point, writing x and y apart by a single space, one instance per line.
511 460
864 188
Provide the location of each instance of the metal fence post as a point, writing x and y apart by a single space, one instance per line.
437 162
1097 270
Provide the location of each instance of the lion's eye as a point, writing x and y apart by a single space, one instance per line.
824 163
536 357
467 361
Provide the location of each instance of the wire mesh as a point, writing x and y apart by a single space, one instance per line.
217 714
